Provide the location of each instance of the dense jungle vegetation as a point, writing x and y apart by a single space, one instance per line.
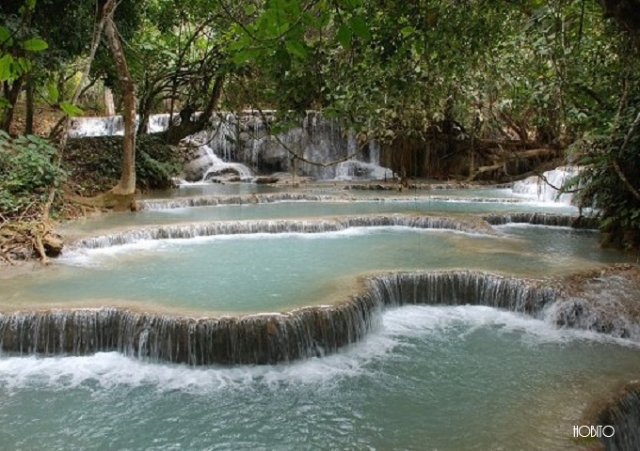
498 82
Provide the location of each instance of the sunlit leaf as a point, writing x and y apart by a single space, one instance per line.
35 45
70 109
6 64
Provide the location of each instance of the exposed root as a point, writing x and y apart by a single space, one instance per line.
28 238
109 200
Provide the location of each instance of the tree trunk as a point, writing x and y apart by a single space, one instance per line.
127 184
109 105
11 93
28 127
187 126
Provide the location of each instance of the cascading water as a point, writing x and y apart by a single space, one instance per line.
257 339
96 126
318 140
536 187
623 415
160 122
245 139
271 338
545 219
219 167
85 127
184 231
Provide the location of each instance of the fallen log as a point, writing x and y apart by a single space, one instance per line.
513 156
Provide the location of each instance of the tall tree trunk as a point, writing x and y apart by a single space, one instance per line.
11 93
127 184
28 127
109 105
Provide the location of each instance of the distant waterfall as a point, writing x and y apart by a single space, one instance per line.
184 231
245 138
546 191
546 219
204 201
218 167
87 127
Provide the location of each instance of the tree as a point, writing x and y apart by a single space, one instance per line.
126 188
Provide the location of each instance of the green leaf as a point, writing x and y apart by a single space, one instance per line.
35 45
70 109
53 93
407 31
360 28
249 9
5 37
6 72
296 48
24 64
243 56
344 36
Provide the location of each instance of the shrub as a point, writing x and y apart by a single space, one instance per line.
27 170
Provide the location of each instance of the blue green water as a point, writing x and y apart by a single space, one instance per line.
257 273
431 378
307 209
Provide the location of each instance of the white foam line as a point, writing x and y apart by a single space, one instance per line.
112 370
90 256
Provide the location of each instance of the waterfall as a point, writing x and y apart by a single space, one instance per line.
374 152
355 169
245 139
253 339
202 201
536 187
205 201
272 338
462 288
259 339
219 167
184 231
160 122
546 219
96 126
85 127
623 414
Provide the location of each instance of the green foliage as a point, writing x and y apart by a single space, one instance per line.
27 171
94 164
612 172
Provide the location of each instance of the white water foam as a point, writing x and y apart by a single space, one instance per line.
94 257
111 370
218 166
545 191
